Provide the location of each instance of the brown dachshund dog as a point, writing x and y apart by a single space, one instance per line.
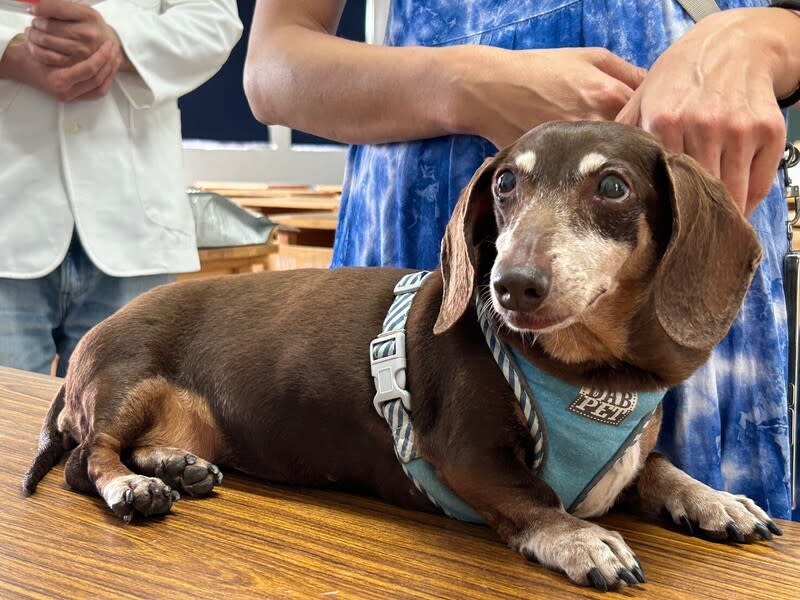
607 262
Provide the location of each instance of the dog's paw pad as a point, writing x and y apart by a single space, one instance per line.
189 473
137 494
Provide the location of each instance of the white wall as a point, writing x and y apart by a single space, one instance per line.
276 162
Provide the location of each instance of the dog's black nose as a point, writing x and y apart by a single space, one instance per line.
521 289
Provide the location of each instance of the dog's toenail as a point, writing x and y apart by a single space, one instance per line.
190 459
128 496
774 528
597 579
639 574
762 530
627 577
734 533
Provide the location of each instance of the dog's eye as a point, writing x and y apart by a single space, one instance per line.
506 182
612 187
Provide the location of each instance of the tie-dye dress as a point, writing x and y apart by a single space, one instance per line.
727 426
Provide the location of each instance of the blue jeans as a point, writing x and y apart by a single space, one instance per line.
45 317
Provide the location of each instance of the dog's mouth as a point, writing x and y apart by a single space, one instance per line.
543 320
537 323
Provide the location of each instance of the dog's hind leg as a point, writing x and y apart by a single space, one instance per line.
76 472
125 492
147 423
178 468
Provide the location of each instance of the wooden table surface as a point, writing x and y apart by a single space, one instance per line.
295 202
311 220
252 539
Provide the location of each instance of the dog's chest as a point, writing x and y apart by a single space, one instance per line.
591 437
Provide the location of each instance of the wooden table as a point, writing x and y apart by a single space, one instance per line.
306 228
252 539
290 203
231 260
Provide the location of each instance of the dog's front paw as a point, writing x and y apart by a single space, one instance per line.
717 515
189 473
132 494
587 553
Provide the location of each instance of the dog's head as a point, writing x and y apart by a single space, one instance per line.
597 240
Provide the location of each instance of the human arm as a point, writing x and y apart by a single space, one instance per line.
713 93
299 74
170 51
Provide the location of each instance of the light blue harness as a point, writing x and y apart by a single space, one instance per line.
578 433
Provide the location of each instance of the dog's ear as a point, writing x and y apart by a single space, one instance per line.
709 262
459 260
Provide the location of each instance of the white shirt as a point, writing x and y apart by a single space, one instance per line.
112 166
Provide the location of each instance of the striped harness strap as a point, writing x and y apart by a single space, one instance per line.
387 355
393 402
610 422
517 381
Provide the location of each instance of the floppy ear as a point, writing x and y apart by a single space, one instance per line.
459 260
707 267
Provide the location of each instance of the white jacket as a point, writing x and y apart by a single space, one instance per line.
112 166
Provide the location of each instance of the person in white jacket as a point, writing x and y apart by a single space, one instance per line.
92 203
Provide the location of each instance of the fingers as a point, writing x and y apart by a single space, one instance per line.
76 41
667 129
53 50
631 113
610 88
705 149
65 10
102 69
104 87
45 55
735 171
89 68
75 81
762 173
618 68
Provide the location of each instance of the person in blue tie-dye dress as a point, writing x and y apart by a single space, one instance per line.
423 111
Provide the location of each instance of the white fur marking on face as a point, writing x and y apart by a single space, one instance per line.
584 264
591 163
505 240
526 161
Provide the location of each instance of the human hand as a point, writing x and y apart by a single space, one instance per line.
712 95
86 80
504 93
64 32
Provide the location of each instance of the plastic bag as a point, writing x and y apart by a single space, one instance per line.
220 222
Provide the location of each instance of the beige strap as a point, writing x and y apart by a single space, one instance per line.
698 9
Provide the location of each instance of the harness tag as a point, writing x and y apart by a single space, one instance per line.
387 357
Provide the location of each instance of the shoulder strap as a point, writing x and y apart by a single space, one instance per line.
698 9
